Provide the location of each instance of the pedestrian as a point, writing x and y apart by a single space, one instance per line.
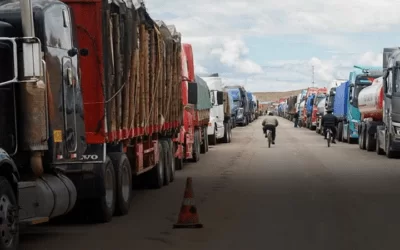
296 119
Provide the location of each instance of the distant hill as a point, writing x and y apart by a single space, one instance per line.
274 96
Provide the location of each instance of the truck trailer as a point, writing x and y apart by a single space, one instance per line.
84 107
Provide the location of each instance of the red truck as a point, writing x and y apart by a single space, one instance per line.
321 95
305 119
196 114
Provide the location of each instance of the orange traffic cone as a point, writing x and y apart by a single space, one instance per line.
188 217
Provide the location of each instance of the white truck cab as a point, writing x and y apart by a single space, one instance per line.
216 127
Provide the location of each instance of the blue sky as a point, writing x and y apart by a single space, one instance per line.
269 45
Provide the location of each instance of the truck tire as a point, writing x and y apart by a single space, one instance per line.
226 133
206 138
104 207
361 138
167 162
172 159
156 175
123 174
370 143
389 153
9 238
196 146
203 147
178 162
339 134
378 149
230 134
213 138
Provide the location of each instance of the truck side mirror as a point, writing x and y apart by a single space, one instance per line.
32 59
220 97
192 93
84 52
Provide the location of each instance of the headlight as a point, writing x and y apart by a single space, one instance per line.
396 130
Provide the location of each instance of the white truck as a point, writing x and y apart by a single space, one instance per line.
327 103
219 126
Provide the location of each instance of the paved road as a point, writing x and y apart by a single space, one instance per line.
297 195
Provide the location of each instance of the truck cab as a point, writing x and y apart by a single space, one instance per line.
216 126
388 134
359 78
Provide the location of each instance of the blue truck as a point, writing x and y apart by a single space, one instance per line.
242 115
309 107
234 96
251 106
346 101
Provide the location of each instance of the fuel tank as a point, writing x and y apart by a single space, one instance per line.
48 196
370 100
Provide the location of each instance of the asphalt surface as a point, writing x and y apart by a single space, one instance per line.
298 194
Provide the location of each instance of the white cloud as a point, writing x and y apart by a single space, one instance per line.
216 30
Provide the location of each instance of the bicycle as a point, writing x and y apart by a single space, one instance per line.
269 136
328 136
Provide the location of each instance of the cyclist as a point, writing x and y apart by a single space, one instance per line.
329 121
270 122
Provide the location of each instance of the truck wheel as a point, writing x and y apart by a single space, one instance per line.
196 146
203 147
389 153
172 160
178 162
213 138
348 135
157 173
226 133
167 162
361 138
339 135
230 134
370 142
104 207
9 225
378 149
123 173
206 138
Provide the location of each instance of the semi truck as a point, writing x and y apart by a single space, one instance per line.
255 105
309 101
346 101
234 102
251 106
329 102
219 127
196 112
84 108
387 132
242 103
291 107
319 96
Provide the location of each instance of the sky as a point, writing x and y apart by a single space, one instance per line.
272 45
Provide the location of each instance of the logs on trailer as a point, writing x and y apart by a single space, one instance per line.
370 101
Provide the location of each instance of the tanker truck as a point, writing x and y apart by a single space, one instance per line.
370 104
388 133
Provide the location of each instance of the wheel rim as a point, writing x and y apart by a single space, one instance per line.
109 181
7 221
125 183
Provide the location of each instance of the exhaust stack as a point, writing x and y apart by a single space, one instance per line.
27 18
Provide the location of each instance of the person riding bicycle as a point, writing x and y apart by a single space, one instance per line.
329 121
270 122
